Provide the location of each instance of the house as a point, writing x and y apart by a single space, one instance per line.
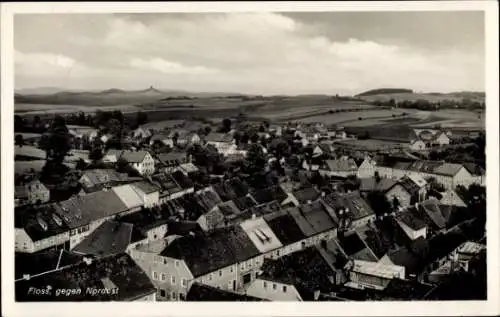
141 161
148 226
97 179
83 214
225 258
186 168
33 192
415 185
451 198
148 192
184 137
300 276
412 224
220 216
112 156
417 145
163 138
141 133
274 193
341 167
392 189
431 137
374 275
172 160
38 228
110 238
323 149
129 196
355 248
353 205
478 173
202 293
87 280
170 189
275 129
231 188
302 196
223 142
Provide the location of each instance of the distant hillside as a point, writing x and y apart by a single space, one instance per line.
107 97
385 94
384 91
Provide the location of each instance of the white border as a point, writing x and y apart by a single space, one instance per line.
490 307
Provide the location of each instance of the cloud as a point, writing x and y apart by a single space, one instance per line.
245 52
168 67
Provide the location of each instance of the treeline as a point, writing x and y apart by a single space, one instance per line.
385 91
423 104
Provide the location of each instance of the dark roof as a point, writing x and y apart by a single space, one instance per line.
307 270
354 247
398 289
411 218
409 185
167 183
306 194
120 270
434 214
134 156
97 177
178 157
219 137
371 184
342 165
202 293
244 203
207 199
231 189
145 220
146 187
43 261
110 238
356 205
32 218
269 194
413 257
318 217
474 169
284 227
182 180
82 210
207 253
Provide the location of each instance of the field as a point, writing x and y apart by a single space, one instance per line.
431 97
372 145
34 109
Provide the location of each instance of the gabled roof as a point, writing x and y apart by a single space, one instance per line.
371 184
110 238
29 151
244 203
218 137
128 196
208 253
448 169
33 219
208 199
82 210
432 210
261 234
201 293
306 194
269 194
409 185
134 156
166 158
356 205
474 169
116 270
96 177
342 165
284 227
318 217
145 187
411 218
355 248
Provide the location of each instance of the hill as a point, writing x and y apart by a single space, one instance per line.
398 95
384 91
107 97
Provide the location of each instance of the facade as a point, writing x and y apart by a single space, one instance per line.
32 193
141 161
373 275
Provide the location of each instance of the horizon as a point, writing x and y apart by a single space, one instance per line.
268 53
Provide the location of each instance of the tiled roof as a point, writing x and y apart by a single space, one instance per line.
82 210
128 196
448 169
356 205
319 218
306 194
474 169
355 248
145 220
342 165
118 270
134 157
181 179
201 293
228 208
306 270
269 194
33 218
172 156
145 187
244 203
284 227
409 185
208 199
412 219
261 234
207 253
96 177
218 137
109 238
432 210
371 184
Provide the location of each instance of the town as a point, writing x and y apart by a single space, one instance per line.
243 210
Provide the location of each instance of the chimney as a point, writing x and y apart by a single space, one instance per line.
316 294
323 194
191 233
254 216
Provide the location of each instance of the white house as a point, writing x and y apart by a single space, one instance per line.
373 275
141 161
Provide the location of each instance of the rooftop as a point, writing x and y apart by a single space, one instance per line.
201 292
119 270
342 165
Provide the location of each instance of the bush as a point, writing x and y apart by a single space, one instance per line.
360 118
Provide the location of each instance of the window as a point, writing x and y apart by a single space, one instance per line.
231 269
220 272
162 293
184 282
165 261
155 275
284 289
275 286
176 263
173 280
163 276
174 296
278 253
242 266
210 277
265 284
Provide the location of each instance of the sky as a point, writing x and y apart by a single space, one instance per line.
255 53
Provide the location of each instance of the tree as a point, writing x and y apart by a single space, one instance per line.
80 165
256 159
95 154
379 203
19 140
58 143
254 138
226 125
19 123
141 118
121 165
